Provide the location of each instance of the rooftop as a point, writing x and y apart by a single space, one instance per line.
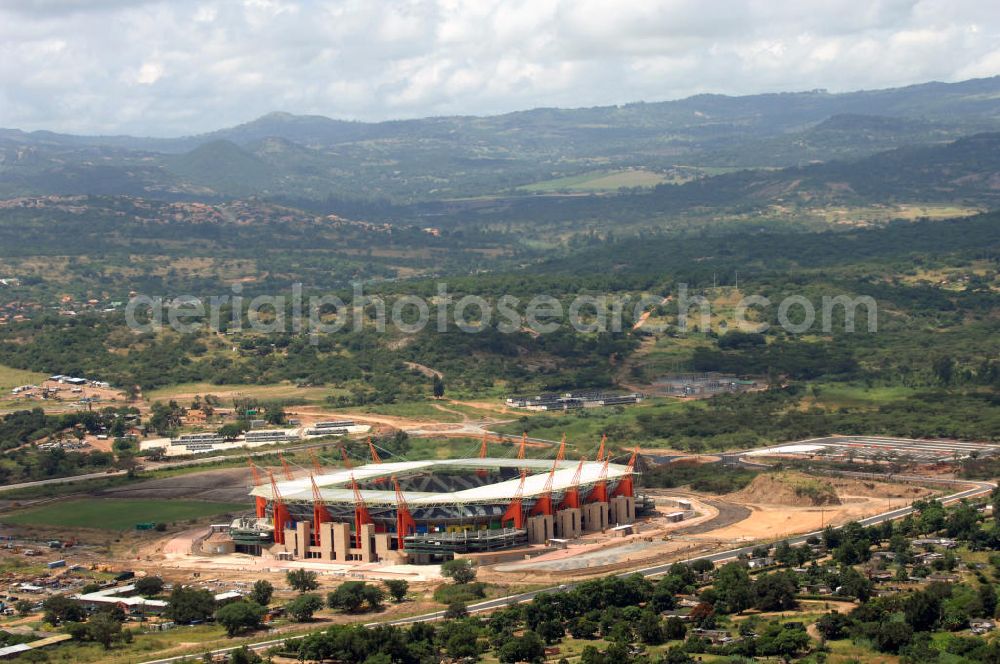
336 487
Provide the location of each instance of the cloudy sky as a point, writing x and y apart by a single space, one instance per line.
180 66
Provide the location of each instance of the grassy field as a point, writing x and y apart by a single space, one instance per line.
583 428
416 410
597 181
116 514
186 392
11 378
842 395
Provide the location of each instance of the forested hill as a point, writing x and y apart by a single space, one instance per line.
699 257
313 157
963 172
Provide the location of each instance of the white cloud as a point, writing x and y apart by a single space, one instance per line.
149 73
185 66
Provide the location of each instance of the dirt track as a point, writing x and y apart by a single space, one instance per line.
729 513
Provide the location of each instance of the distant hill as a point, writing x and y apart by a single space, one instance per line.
222 166
313 157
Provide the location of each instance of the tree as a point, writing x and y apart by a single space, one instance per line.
149 586
962 521
239 617
833 626
775 592
302 608
944 368
59 609
831 538
987 599
663 595
262 592
231 430
702 615
702 565
104 629
591 655
187 605
459 570
350 596
551 631
460 639
526 648
733 588
784 640
456 610
583 628
854 584
374 596
438 387
244 655
674 629
891 637
397 588
302 580
23 607
783 553
677 655
922 610
649 629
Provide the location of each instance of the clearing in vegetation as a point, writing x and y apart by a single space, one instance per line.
598 181
11 378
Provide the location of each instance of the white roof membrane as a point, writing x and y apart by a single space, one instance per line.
336 487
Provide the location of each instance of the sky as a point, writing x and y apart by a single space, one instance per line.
182 67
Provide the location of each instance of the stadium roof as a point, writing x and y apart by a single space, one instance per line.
336 487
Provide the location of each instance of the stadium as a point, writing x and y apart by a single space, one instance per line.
429 511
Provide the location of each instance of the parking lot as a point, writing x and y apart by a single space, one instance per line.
877 448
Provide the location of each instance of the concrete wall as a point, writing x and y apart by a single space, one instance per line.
595 517
540 529
341 541
569 523
621 510
382 545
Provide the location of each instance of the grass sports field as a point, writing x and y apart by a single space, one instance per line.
117 514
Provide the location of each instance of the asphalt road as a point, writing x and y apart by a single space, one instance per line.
978 488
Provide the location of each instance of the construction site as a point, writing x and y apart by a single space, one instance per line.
421 512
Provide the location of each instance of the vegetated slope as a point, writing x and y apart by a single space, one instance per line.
461 156
963 172
842 136
222 166
760 248
788 489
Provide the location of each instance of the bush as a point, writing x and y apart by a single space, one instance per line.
262 592
238 617
397 588
455 611
149 586
350 596
466 592
302 580
188 605
459 570
302 608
